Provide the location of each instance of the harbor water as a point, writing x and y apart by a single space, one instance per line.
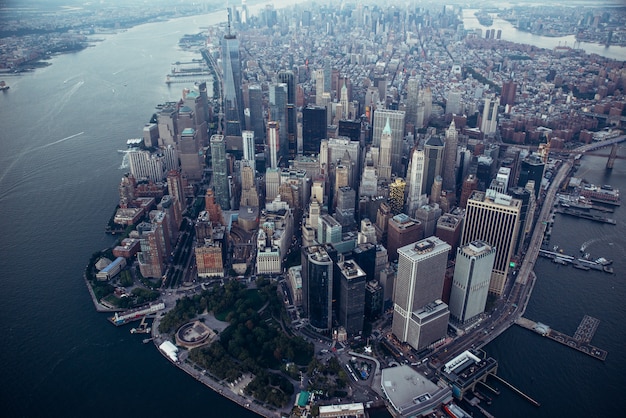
567 382
62 127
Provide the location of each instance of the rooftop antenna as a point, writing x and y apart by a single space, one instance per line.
229 18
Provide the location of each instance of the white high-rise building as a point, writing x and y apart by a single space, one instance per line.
396 124
273 143
494 218
420 318
145 165
415 177
470 285
344 102
490 116
449 157
248 149
384 157
319 87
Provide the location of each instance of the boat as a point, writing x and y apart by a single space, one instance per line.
454 411
140 330
581 267
608 269
603 261
3 86
572 201
559 260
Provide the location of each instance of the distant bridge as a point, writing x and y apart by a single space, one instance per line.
612 156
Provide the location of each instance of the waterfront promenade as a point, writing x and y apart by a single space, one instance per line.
220 387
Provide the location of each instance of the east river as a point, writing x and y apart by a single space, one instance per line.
61 127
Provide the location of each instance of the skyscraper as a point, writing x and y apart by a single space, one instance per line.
248 149
453 102
273 143
220 171
411 100
191 160
402 230
317 285
278 113
256 111
396 124
313 128
489 121
319 87
508 92
494 218
415 175
433 160
449 158
396 195
384 156
532 168
231 73
344 102
470 284
351 296
175 188
420 318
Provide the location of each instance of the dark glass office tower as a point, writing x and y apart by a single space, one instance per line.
351 129
256 113
220 171
532 168
317 285
231 70
313 128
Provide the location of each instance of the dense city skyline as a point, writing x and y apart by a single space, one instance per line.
315 173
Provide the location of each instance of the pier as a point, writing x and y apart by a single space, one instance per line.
585 215
516 390
580 341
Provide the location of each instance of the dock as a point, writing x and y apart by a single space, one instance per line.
586 215
580 341
516 390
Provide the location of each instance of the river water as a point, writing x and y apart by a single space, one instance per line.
567 382
511 33
59 170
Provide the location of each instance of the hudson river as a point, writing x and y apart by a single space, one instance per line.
61 127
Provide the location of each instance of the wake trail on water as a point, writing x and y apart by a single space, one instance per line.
59 141
22 154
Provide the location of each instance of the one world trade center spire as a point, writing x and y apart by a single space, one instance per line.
231 70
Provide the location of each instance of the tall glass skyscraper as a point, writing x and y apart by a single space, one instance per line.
231 70
220 172
317 285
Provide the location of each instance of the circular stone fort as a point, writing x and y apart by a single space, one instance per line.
194 334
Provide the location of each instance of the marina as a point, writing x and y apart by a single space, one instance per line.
580 341
581 263
189 72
